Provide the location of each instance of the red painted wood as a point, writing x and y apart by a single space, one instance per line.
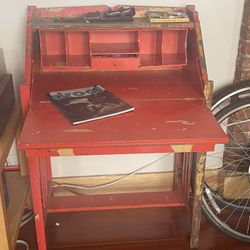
77 48
160 79
167 111
25 98
138 229
103 63
113 49
34 174
115 201
12 168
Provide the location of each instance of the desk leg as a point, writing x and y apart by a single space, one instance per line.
197 200
37 202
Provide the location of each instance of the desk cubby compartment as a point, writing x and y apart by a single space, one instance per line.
64 49
53 51
114 49
174 47
163 47
77 46
150 48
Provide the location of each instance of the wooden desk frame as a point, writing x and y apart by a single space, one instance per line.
42 141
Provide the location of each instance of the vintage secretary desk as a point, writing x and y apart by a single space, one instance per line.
158 68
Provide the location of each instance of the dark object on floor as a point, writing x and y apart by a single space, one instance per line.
7 99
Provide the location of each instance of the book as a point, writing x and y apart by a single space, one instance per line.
167 17
88 104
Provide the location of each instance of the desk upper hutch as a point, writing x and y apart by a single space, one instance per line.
158 68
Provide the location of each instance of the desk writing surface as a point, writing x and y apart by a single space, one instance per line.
167 111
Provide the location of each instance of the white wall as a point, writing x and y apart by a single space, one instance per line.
220 22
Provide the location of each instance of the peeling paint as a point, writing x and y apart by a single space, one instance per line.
182 148
36 132
78 131
66 152
184 122
55 10
45 102
37 218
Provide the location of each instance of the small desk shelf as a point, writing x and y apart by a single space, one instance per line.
95 48
158 68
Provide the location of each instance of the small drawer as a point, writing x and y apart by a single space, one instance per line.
103 63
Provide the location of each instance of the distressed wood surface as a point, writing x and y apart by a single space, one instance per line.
208 92
138 23
48 18
18 189
197 200
148 182
5 242
8 135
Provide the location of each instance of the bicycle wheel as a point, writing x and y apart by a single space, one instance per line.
225 96
226 194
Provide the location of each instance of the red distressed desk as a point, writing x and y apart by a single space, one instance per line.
160 70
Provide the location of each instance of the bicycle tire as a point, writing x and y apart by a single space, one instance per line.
215 217
229 92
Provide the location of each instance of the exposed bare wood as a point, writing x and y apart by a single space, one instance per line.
18 190
4 230
208 92
136 24
23 161
9 134
198 187
154 182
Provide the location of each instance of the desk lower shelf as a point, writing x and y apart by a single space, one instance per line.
116 201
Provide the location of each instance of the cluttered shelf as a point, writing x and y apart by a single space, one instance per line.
138 23
104 17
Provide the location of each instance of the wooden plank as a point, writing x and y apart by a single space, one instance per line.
8 135
138 23
208 92
198 187
148 182
23 161
2 63
18 189
4 230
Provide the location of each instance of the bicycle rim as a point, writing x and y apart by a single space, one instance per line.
226 194
224 97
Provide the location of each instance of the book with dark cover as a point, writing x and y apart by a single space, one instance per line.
88 104
167 17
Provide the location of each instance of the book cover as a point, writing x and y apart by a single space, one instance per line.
167 17
88 104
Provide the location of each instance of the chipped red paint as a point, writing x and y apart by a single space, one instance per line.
167 92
